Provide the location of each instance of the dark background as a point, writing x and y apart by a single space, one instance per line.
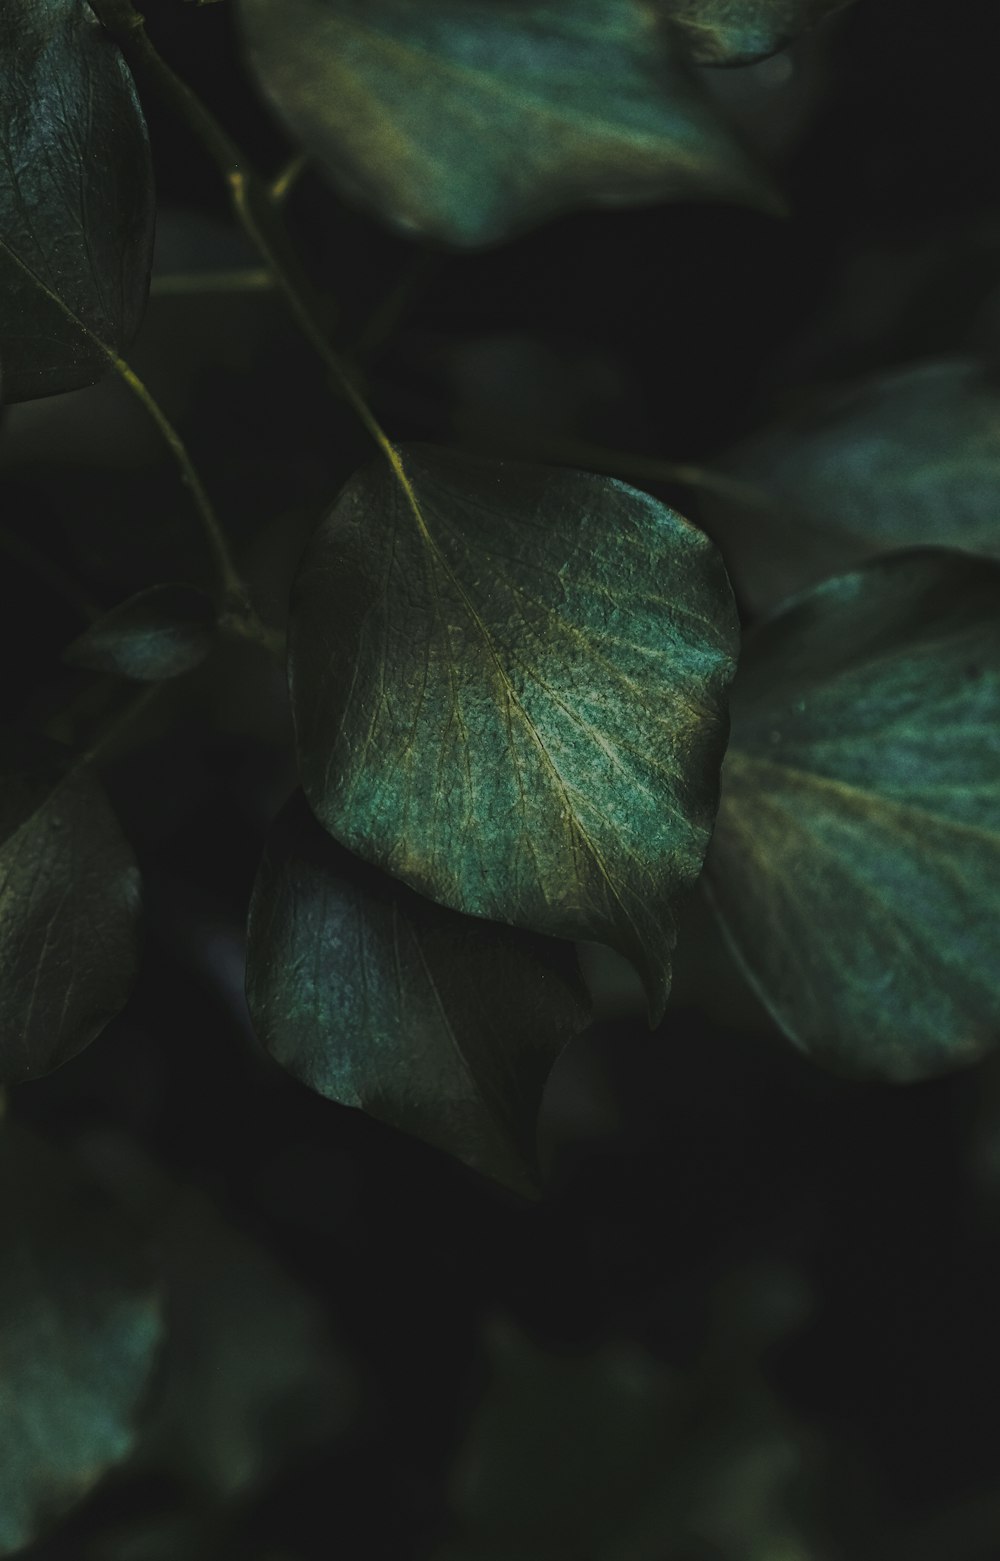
680 1159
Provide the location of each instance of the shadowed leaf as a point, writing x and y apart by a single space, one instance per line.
80 1326
375 997
76 199
509 688
159 633
856 859
468 120
735 32
906 459
69 908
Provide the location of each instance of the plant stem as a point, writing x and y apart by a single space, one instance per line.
106 739
232 584
646 468
180 284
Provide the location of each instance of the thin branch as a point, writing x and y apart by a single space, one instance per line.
281 187
180 284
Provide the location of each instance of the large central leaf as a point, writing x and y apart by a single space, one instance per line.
76 199
856 860
509 691
467 120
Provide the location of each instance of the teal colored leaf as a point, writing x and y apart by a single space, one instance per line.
856 859
736 32
69 908
469 120
509 689
80 1327
160 633
905 459
441 1025
76 199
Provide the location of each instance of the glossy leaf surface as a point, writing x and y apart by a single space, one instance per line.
80 1325
901 460
442 1025
76 199
468 120
159 633
509 688
69 908
856 859
735 32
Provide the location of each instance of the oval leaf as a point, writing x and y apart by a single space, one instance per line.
159 633
856 859
467 120
509 688
907 459
80 1325
375 997
69 908
736 32
76 199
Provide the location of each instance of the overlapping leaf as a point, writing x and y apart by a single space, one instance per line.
856 859
159 633
905 459
76 199
80 1326
509 688
69 908
375 997
735 32
467 120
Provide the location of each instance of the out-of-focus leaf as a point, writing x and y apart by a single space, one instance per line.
856 859
467 120
80 1326
734 32
509 688
158 633
252 1375
76 199
69 908
614 1456
902 460
441 1024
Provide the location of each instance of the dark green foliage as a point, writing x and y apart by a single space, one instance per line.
158 633
376 997
80 1327
467 120
735 32
509 688
856 859
69 908
76 199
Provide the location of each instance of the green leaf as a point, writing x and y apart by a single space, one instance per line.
80 1326
469 120
509 689
76 199
906 459
736 32
69 908
441 1025
856 859
251 1377
159 633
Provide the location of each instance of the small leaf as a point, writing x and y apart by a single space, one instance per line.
906 459
468 120
76 199
80 1326
509 689
69 908
441 1025
159 633
856 859
736 32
